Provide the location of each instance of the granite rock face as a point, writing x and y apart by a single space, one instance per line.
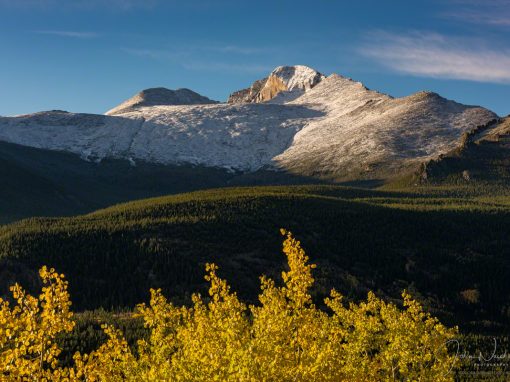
247 95
284 78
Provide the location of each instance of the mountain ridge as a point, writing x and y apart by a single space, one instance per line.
160 96
331 128
480 158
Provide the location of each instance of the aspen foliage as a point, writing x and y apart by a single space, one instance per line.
28 330
284 337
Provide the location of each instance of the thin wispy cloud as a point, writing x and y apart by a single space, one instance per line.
494 13
237 49
438 56
156 54
72 34
80 4
205 48
209 58
495 19
481 2
226 67
123 4
26 3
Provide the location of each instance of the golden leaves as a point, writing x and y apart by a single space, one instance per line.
219 338
27 331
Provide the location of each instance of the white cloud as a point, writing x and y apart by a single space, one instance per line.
73 34
237 49
439 56
193 58
495 13
483 17
157 54
26 3
226 67
481 3
80 4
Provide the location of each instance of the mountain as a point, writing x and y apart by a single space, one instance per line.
239 137
299 127
368 135
447 246
330 128
160 96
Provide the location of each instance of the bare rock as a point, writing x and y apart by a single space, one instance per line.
283 78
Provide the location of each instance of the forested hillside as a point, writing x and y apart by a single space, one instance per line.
37 182
447 246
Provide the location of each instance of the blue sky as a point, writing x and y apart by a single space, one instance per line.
89 55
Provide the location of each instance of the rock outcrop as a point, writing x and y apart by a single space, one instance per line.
284 78
248 95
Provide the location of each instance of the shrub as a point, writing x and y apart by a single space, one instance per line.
219 338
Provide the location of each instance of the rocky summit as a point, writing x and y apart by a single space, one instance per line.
284 78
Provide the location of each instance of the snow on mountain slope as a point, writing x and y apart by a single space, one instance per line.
365 134
336 129
243 137
91 136
158 97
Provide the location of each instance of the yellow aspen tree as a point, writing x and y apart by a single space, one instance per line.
28 330
218 338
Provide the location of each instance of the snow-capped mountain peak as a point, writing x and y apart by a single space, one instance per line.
297 77
296 119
